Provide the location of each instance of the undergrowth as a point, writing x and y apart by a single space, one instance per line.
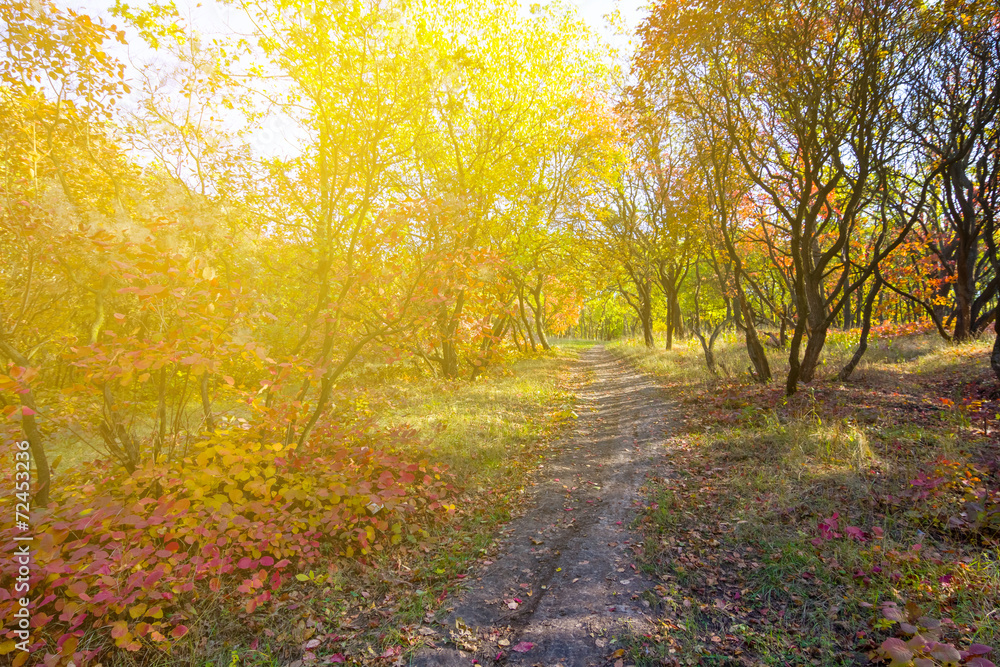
255 554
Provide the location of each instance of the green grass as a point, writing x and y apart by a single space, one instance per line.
483 427
922 353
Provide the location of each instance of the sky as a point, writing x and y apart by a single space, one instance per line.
275 135
592 11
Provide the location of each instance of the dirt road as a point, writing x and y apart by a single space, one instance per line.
565 580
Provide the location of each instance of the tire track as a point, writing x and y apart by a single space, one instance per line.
569 559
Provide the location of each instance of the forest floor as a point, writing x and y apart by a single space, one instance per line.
786 531
624 507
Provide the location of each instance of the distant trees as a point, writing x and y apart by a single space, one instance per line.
832 140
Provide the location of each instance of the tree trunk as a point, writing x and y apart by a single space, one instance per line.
814 348
514 331
646 315
449 359
792 382
678 320
539 313
161 415
995 354
449 350
206 403
848 316
528 336
762 370
706 347
669 342
965 288
34 438
326 387
497 333
540 330
866 325
817 326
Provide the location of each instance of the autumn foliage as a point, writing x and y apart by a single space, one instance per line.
123 560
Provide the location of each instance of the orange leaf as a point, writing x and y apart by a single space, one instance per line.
119 629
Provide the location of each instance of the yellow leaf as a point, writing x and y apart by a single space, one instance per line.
138 610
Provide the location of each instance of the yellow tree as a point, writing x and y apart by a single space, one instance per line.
58 170
507 143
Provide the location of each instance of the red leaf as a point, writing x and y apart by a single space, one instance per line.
179 631
945 653
895 650
855 533
523 647
337 658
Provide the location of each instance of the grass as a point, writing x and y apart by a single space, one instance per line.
481 428
684 364
732 520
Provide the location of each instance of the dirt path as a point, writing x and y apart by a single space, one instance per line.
565 580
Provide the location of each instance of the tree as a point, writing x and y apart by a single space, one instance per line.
954 119
806 98
60 85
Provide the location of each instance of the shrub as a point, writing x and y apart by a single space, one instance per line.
124 563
